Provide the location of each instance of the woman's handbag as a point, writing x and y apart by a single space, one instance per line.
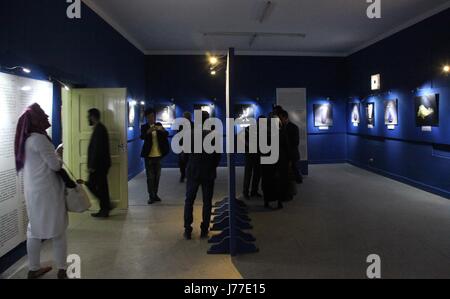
77 199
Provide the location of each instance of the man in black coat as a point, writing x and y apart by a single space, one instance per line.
252 172
293 135
183 157
99 162
156 146
201 171
273 186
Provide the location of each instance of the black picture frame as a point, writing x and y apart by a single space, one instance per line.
427 110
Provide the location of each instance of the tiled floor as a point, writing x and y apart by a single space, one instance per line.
341 215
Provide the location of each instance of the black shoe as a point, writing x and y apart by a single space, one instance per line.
100 215
187 235
267 206
151 201
280 206
62 274
246 196
157 198
256 194
112 206
39 273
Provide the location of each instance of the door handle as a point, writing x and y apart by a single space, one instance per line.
123 147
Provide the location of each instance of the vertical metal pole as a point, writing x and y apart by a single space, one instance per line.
230 156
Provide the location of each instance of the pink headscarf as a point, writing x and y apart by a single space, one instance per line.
32 120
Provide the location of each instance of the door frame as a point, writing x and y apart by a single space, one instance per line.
67 129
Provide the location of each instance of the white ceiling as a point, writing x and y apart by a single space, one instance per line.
332 27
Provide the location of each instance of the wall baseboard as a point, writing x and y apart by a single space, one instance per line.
402 179
328 161
13 256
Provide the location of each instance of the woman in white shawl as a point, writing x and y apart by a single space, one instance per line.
44 190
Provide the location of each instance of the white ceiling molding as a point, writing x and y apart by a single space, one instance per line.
247 53
114 24
408 24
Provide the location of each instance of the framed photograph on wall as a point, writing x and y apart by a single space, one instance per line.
355 116
165 115
427 110
131 114
370 114
323 115
375 82
142 119
243 113
391 112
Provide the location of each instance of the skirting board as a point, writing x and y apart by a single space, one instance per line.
403 179
12 257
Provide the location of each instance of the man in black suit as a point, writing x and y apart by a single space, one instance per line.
271 181
293 141
201 171
99 162
156 146
183 157
252 172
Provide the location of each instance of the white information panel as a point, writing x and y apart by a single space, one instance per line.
16 93
293 100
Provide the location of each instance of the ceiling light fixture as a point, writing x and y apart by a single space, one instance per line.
446 68
213 73
213 60
260 34
63 85
23 69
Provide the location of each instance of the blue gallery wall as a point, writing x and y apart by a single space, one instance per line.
410 63
186 80
84 52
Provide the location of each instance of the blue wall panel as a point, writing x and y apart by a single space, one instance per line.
186 80
410 63
84 52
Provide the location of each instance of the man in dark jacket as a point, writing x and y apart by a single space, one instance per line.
183 157
99 162
252 172
293 135
201 171
156 146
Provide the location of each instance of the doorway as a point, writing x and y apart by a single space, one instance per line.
76 135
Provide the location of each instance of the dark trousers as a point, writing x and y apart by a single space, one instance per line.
98 185
252 173
298 177
182 163
282 179
192 187
268 183
153 171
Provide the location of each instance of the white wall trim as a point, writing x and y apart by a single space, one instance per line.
408 24
114 24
